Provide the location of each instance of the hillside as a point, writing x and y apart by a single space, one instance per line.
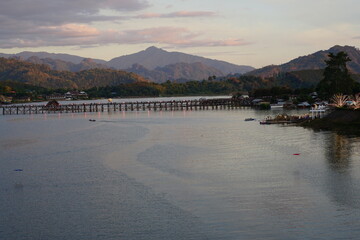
153 57
43 76
60 65
153 63
176 72
45 55
311 62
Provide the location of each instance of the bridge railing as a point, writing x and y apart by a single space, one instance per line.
201 104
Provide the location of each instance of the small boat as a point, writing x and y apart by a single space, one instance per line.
277 105
249 119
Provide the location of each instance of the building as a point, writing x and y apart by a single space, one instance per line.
74 95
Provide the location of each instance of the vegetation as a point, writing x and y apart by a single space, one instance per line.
341 120
339 100
41 75
23 79
337 78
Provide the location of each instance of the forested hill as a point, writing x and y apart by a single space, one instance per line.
41 75
313 61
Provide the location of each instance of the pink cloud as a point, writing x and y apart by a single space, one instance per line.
180 14
73 30
83 35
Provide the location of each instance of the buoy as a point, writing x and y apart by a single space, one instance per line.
296 154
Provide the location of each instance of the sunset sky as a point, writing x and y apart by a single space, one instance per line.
245 32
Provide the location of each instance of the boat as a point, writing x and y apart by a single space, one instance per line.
249 119
277 105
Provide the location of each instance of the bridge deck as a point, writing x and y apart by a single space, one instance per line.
219 103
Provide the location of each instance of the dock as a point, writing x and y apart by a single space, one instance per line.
175 105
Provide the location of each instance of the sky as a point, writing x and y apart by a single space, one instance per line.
245 32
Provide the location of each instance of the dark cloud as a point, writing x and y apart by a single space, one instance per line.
50 12
44 23
35 23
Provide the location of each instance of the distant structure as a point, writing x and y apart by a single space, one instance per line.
71 95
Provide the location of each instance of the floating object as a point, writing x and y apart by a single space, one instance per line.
18 170
92 120
110 100
249 119
296 154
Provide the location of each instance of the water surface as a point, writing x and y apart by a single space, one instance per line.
175 175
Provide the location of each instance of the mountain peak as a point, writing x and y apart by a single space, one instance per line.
154 57
154 49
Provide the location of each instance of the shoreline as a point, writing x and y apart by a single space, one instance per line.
340 120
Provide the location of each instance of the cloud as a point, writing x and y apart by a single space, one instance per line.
176 37
83 35
44 23
180 14
66 11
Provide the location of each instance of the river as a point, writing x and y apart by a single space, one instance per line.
175 175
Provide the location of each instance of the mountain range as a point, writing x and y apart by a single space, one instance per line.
153 63
56 70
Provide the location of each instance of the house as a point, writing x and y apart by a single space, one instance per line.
52 105
76 95
257 101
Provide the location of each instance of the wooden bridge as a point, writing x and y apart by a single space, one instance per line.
175 105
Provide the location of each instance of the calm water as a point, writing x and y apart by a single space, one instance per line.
175 175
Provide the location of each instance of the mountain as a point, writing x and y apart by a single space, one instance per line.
156 64
152 75
311 62
56 56
42 75
60 65
176 72
153 57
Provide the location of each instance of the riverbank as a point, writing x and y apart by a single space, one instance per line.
341 120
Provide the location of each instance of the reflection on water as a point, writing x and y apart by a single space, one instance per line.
338 151
175 175
342 182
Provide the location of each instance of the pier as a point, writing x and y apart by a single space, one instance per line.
175 105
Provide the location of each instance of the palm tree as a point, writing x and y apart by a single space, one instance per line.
339 100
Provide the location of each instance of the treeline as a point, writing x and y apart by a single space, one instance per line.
145 89
205 87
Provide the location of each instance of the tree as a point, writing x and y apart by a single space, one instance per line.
336 76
